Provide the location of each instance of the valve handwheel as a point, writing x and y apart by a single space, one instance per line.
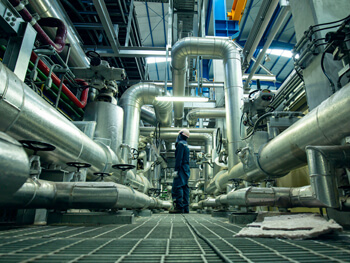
102 175
37 146
79 165
123 167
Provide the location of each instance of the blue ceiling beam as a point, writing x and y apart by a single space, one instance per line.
284 66
150 29
284 27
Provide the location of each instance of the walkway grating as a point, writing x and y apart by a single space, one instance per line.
162 238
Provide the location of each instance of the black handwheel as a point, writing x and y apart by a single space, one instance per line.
123 167
218 141
79 165
37 146
102 175
92 54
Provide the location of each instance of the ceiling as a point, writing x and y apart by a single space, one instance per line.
149 29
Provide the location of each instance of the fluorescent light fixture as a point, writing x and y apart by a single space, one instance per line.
183 99
152 60
260 77
280 52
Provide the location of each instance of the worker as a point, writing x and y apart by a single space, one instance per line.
180 190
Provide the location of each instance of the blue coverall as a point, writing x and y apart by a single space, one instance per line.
180 190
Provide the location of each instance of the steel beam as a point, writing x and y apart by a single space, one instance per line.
130 18
106 21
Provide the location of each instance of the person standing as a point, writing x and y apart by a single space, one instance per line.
180 190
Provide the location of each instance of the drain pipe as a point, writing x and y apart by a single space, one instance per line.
281 17
195 137
195 114
327 124
131 101
80 195
25 115
213 48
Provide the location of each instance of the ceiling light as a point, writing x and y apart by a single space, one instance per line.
152 60
183 99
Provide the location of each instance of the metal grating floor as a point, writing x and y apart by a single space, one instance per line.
162 238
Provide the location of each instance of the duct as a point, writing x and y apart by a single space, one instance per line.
212 48
14 165
327 124
25 115
281 17
148 115
131 101
263 17
195 137
51 8
81 195
194 114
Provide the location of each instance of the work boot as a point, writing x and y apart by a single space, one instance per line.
175 211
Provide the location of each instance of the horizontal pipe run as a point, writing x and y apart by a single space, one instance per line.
24 115
80 195
195 114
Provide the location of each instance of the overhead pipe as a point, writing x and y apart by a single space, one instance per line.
327 124
195 114
131 101
214 48
148 130
25 115
52 8
195 137
276 26
59 43
267 8
80 195
148 115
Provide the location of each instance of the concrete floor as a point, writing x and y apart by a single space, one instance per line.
163 238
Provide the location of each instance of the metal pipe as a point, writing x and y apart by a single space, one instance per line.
14 165
51 8
276 26
59 43
63 195
148 115
327 124
147 130
194 114
25 115
212 48
131 101
261 22
274 196
195 137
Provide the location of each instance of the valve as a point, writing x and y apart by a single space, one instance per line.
102 175
78 165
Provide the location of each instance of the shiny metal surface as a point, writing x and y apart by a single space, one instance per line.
148 115
195 114
52 8
88 195
132 100
109 120
274 196
212 48
14 165
25 115
325 125
147 130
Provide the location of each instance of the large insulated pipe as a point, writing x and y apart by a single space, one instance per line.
195 138
212 48
131 101
14 165
198 113
148 115
274 196
25 115
62 195
327 124
51 8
